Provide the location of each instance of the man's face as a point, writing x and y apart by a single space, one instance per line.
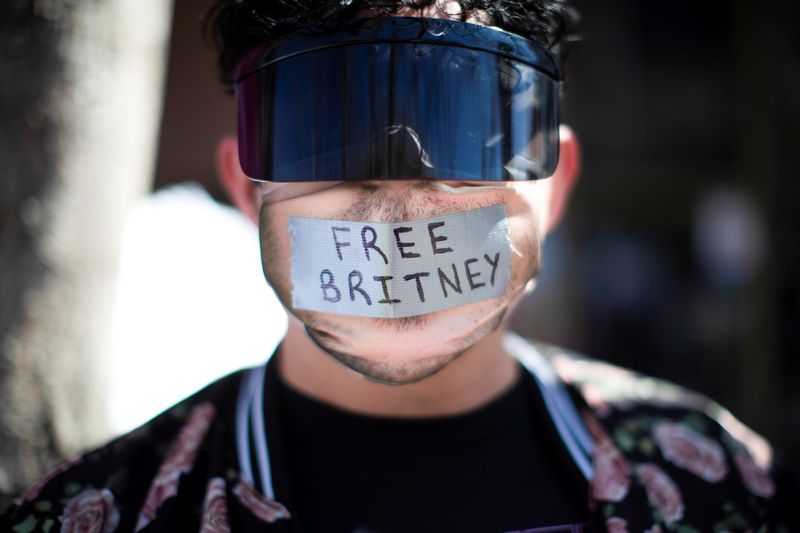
404 350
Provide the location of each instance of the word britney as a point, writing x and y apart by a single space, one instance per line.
403 269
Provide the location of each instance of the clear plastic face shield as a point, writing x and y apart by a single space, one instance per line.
397 99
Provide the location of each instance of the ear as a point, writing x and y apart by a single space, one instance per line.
564 178
239 187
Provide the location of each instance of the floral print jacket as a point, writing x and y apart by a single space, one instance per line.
660 458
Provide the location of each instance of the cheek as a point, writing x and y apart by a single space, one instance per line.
276 250
523 231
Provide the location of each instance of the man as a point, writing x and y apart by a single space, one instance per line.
404 164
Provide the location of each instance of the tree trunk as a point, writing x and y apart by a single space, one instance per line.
80 93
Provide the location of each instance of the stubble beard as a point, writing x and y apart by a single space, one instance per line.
406 372
382 372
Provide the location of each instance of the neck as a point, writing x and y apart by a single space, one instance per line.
473 379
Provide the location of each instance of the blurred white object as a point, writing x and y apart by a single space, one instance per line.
729 236
192 303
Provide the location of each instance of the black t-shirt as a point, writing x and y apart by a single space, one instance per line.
493 469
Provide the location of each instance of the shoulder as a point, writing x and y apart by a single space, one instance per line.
615 393
673 453
113 485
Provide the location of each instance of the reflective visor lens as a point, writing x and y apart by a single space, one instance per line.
399 98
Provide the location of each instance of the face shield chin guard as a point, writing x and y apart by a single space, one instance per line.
398 98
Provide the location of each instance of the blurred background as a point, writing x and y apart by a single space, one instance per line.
680 254
678 257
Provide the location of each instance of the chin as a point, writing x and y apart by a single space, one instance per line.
404 350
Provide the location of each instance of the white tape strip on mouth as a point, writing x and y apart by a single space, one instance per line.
394 270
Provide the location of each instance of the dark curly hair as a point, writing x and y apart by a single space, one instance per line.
236 26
